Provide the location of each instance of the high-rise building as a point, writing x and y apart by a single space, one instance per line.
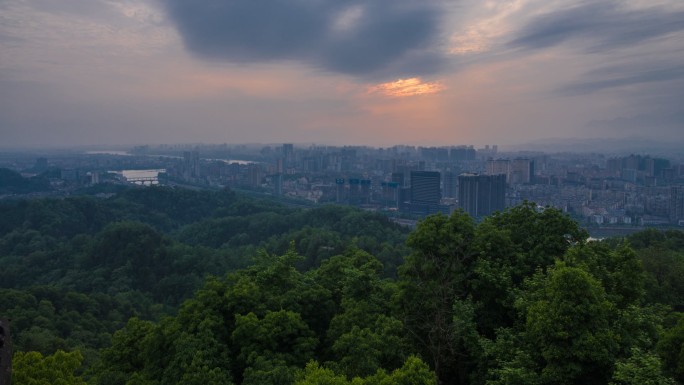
521 171
398 178
676 203
481 195
498 166
425 187
278 184
365 193
191 164
404 197
443 154
341 195
390 194
487 152
449 185
354 191
614 166
254 175
656 166
462 153
288 155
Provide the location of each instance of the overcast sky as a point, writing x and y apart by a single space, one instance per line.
372 72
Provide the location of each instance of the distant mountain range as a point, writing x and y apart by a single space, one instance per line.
602 145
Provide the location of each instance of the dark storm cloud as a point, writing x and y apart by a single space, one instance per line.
377 36
601 26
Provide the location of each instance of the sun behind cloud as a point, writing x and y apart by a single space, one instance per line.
407 87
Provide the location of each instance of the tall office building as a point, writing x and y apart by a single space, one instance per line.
278 184
254 175
676 203
341 195
288 155
450 185
521 171
398 178
191 164
390 194
481 195
462 153
498 166
404 197
354 191
425 187
365 193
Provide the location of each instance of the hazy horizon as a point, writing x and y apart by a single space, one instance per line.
607 147
510 73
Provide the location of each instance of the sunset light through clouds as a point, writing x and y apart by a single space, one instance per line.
353 72
407 87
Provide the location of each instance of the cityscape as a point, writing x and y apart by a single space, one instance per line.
326 192
606 194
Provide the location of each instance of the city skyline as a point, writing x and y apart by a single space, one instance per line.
598 189
123 72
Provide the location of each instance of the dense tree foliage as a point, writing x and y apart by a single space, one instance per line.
46 319
32 368
170 286
74 270
662 256
433 292
11 182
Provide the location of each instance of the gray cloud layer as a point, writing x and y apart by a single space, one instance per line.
603 25
643 77
380 36
636 55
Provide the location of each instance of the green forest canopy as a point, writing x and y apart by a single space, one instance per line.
166 286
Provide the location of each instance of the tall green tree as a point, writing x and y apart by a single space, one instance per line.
671 349
640 368
618 270
413 372
567 336
280 337
535 235
32 368
570 325
512 245
432 278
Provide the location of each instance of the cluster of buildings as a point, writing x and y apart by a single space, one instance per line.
414 181
597 189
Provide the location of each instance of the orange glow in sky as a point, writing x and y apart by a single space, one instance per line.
482 72
407 87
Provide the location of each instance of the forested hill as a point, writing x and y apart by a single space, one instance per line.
214 231
166 286
74 270
11 182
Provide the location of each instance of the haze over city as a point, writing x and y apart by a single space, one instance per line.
85 72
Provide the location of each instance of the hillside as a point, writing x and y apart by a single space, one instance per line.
166 286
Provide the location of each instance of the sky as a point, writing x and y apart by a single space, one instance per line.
338 72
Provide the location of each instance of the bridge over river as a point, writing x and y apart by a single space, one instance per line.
140 177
